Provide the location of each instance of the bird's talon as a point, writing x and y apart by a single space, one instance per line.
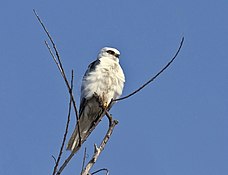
105 105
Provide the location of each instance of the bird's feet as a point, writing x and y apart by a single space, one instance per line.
105 105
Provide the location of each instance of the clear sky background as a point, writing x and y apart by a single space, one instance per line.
176 126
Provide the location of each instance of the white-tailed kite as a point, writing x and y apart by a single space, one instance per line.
104 77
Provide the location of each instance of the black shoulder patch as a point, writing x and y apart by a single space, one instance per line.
93 65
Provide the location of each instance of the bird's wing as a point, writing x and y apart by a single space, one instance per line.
91 68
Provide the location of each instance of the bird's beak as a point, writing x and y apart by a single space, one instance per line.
117 55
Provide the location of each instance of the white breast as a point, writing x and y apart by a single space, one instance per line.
107 80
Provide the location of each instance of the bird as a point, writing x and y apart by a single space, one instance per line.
104 78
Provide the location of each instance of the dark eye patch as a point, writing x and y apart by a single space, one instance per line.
111 52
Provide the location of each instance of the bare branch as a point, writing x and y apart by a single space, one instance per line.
98 150
54 158
66 129
54 58
65 163
153 78
57 61
61 69
50 38
84 158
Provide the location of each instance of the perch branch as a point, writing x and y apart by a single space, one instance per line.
82 141
88 133
153 78
98 150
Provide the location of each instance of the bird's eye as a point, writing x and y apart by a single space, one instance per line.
111 52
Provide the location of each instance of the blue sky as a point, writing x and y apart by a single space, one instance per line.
176 126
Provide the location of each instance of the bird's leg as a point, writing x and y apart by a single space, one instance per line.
103 104
99 99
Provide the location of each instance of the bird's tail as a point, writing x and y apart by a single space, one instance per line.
84 126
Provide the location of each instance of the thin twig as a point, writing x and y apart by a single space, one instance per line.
153 78
58 59
54 159
65 163
53 56
103 169
66 129
98 150
53 43
83 161
61 69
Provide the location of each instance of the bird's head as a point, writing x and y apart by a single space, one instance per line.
109 52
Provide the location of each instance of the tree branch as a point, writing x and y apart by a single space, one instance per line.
153 78
84 158
66 129
61 69
98 150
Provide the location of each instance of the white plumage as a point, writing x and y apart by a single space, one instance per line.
104 77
